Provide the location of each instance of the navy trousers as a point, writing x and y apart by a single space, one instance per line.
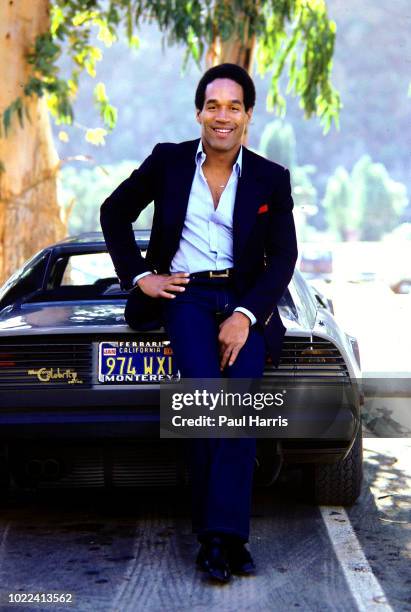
221 469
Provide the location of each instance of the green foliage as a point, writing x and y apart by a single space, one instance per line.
294 30
341 213
304 191
380 200
309 45
278 143
96 136
366 204
45 78
107 112
17 108
83 191
72 26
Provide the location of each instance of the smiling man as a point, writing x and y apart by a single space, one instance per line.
222 252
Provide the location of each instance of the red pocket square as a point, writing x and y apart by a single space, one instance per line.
263 208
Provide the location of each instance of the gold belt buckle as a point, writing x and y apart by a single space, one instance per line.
224 274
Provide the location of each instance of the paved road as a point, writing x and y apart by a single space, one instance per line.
124 553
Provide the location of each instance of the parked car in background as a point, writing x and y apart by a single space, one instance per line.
401 286
316 262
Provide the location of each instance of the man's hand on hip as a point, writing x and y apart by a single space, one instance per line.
160 285
232 337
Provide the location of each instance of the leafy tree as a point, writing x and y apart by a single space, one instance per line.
340 213
297 31
304 191
366 204
379 199
278 143
83 190
294 30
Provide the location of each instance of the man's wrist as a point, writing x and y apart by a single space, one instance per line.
249 315
137 278
242 317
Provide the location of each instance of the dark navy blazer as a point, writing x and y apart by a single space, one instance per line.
264 239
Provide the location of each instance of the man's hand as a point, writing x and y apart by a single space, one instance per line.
232 337
159 285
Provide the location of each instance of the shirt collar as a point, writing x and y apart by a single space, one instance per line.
201 156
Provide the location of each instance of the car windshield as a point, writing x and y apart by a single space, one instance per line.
91 276
80 270
79 276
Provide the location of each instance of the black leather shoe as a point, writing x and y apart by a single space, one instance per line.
212 558
240 559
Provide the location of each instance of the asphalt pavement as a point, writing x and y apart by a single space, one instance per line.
131 552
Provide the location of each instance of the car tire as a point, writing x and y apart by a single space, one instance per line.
337 484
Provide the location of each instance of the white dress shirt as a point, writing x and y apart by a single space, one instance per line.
206 241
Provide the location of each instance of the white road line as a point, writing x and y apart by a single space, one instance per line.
3 539
364 586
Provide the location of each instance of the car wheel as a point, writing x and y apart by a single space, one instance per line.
337 484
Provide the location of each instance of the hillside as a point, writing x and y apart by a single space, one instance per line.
371 71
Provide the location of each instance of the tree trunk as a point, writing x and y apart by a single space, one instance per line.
235 51
29 211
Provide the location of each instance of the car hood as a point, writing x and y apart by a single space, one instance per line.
90 317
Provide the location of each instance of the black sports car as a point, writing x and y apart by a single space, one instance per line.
75 410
